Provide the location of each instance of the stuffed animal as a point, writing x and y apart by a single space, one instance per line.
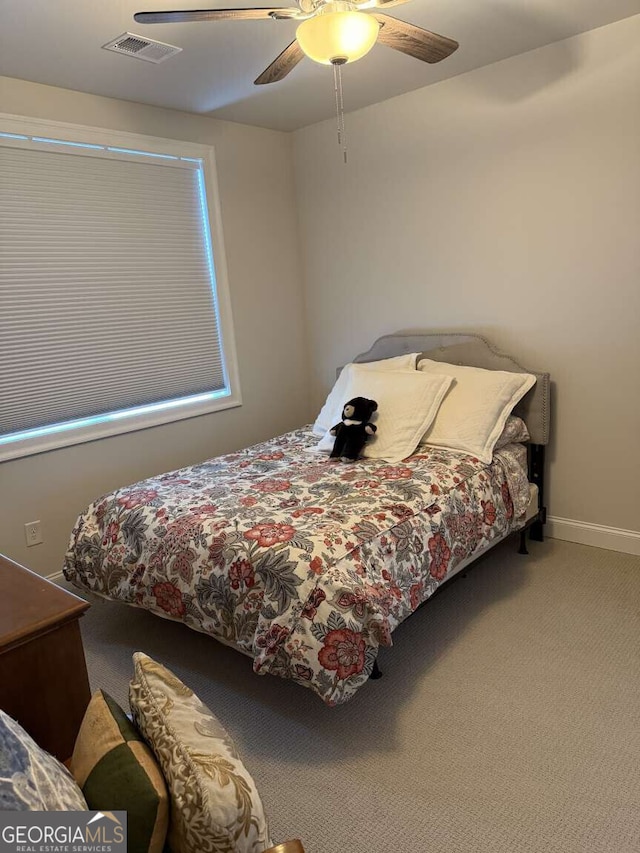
354 429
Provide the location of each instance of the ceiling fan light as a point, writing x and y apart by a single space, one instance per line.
337 36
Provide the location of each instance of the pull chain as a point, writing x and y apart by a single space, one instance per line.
337 86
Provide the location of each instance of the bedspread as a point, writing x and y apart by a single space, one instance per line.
300 561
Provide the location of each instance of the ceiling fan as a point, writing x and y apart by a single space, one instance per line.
331 32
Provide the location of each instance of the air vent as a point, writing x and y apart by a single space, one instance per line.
141 48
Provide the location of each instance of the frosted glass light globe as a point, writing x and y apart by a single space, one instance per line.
337 36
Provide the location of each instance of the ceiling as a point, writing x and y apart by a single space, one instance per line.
58 42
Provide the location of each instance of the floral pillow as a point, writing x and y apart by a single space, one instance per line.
30 778
214 804
515 431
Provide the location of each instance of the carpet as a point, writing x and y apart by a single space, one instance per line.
507 719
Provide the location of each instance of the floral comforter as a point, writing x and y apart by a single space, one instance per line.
300 561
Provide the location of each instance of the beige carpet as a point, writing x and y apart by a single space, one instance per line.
507 720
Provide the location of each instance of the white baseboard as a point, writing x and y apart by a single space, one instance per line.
597 535
55 577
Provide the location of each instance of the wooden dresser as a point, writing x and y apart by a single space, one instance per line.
43 674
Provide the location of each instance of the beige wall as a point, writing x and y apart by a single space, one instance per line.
506 200
257 199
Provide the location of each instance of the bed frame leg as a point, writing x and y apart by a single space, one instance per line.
536 475
523 543
375 672
537 531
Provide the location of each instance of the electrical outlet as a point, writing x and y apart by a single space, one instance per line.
33 533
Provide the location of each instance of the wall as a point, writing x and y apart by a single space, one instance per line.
257 198
505 200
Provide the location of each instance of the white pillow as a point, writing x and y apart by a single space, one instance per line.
476 409
331 412
407 404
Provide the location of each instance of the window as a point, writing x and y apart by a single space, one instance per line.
114 308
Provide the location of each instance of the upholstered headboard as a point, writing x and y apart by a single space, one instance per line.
475 351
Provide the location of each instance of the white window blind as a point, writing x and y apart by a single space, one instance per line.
107 284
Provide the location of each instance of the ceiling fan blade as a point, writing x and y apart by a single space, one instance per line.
214 15
281 66
379 4
414 41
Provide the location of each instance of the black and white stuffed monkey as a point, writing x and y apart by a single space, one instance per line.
354 429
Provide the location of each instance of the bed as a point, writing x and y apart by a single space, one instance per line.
301 562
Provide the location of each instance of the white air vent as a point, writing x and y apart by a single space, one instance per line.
142 48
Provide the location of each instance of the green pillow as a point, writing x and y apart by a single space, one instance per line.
117 771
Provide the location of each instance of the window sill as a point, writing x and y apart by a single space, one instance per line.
117 423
